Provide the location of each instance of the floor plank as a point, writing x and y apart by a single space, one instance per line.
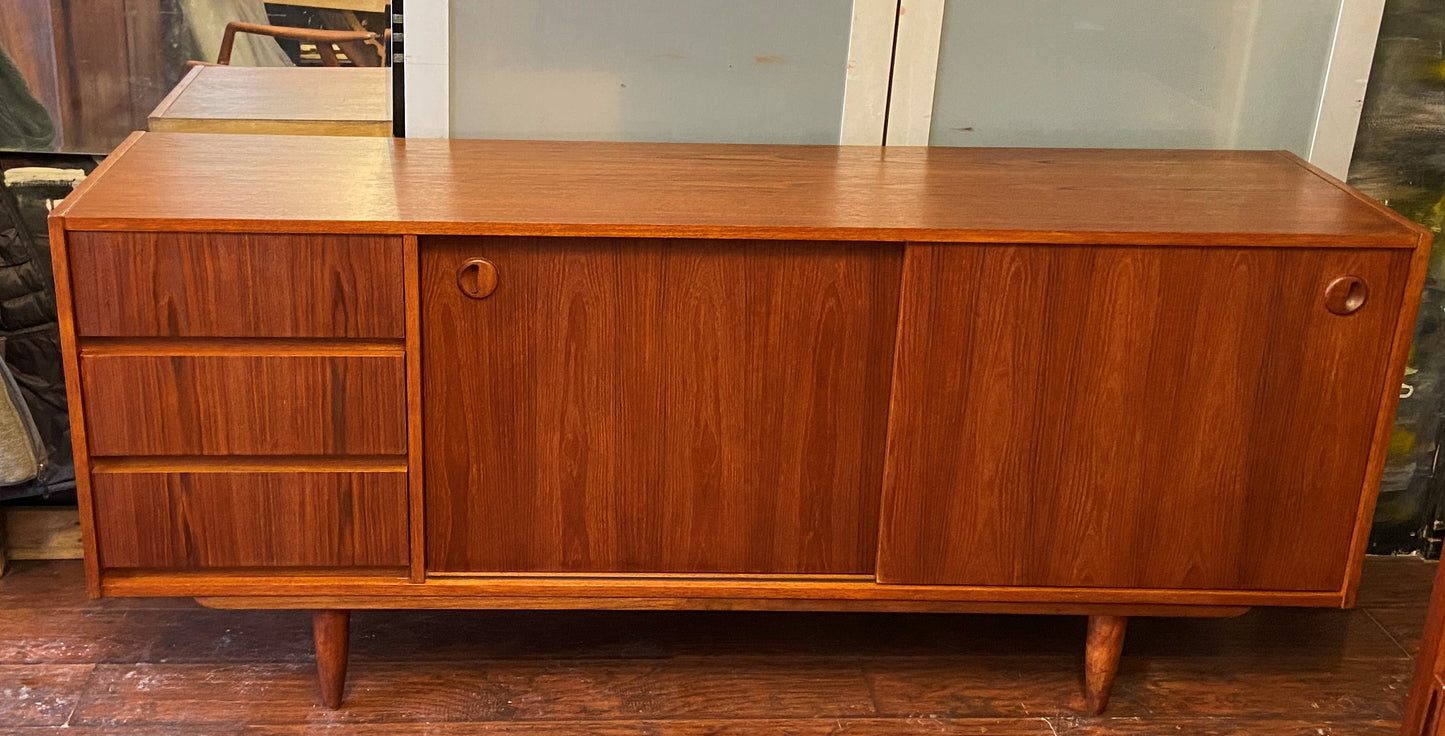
810 727
1265 634
1402 623
126 730
179 636
40 695
163 635
1395 581
724 687
1177 687
467 635
167 667
60 585
1221 727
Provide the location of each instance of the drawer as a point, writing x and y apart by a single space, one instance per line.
251 519
228 285
244 404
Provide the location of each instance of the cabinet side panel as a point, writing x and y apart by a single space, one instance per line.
1385 421
656 406
74 398
1132 417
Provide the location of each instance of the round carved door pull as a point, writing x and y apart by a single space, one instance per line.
477 278
1346 295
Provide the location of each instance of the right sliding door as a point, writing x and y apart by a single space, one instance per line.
1181 417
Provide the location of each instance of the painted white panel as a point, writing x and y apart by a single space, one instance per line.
427 68
1344 95
870 63
915 65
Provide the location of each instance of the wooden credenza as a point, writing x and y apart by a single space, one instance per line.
345 373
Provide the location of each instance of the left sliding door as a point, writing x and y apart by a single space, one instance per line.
655 406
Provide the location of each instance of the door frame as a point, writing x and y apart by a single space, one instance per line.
427 68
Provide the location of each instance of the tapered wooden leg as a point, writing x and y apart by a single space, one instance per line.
1101 659
332 632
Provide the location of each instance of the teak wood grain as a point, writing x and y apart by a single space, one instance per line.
170 181
222 285
75 402
331 632
244 404
656 406
1104 383
478 589
657 603
253 519
416 475
1400 352
1135 417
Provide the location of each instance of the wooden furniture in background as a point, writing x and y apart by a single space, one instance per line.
324 40
1103 383
278 100
1425 707
364 6
346 12
96 66
39 533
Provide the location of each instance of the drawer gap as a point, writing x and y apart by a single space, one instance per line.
240 346
253 464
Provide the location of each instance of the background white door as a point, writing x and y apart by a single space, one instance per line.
755 71
1284 74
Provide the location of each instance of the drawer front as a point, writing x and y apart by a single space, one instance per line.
227 285
244 405
251 519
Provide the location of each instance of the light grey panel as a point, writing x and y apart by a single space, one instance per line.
763 71
1132 73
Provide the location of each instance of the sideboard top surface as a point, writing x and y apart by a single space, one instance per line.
202 182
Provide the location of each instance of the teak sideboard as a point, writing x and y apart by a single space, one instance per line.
342 373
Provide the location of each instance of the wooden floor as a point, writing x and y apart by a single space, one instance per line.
170 667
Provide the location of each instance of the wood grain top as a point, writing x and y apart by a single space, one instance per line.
235 99
169 181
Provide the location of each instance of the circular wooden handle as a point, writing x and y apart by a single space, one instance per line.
477 278
1346 295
